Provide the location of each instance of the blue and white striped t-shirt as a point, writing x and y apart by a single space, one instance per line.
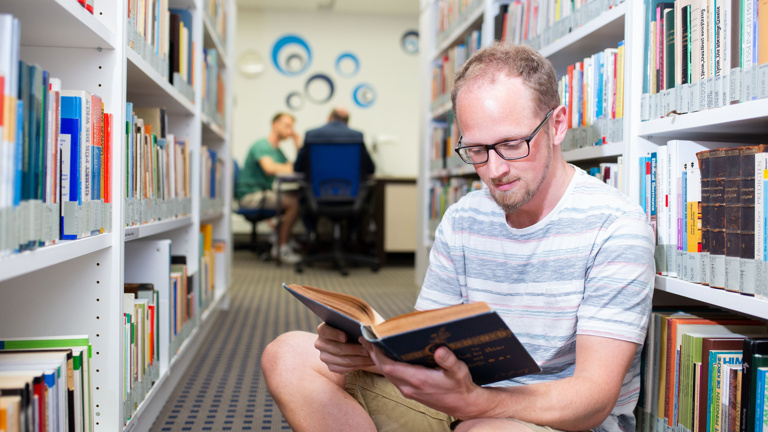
586 268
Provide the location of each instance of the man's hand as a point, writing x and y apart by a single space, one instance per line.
296 140
448 388
338 353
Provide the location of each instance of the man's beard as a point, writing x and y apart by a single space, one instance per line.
512 200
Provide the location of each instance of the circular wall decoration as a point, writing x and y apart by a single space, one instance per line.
291 55
410 42
319 88
250 64
347 65
364 95
294 101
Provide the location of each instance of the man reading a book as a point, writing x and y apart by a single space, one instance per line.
565 260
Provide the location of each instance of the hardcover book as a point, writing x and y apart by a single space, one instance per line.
473 331
749 365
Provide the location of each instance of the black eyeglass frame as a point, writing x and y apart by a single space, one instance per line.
489 147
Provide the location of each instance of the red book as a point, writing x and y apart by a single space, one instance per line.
151 333
2 101
106 153
38 387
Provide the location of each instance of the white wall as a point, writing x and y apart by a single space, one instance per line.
375 40
383 64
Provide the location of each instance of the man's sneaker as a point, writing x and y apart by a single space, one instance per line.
288 256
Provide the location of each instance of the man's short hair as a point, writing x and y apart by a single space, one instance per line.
505 60
280 115
337 115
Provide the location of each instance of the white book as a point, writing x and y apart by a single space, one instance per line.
662 211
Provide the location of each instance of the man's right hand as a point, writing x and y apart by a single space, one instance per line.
339 354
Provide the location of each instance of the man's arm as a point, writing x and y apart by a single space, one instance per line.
580 402
272 168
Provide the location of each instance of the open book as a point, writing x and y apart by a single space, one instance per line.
473 331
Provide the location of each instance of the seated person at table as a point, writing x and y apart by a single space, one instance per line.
335 131
264 162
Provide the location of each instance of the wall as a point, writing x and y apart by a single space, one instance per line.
392 118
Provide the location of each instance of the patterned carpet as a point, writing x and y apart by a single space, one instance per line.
223 388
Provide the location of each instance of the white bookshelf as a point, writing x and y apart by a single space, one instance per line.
75 287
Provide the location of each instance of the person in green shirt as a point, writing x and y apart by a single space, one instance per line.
263 163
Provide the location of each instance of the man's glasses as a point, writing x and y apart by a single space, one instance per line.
507 150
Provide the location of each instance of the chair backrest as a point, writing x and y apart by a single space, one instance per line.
235 176
334 171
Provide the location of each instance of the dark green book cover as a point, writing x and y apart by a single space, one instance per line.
752 347
483 342
669 48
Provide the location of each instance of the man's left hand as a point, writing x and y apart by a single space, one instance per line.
448 388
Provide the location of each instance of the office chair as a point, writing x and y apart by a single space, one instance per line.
254 216
334 189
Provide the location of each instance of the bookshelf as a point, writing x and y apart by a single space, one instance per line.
75 287
603 27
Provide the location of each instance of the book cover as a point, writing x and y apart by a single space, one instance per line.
707 345
717 361
676 327
474 332
751 347
59 383
690 353
81 349
69 144
761 417
669 48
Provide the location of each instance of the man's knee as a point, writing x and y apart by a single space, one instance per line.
285 350
482 425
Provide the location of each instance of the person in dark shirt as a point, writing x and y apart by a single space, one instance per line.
335 131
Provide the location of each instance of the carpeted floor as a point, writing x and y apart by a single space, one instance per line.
223 388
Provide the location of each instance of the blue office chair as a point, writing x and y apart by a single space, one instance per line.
334 189
254 216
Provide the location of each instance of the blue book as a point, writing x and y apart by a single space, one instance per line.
69 145
212 155
716 359
760 400
19 155
600 79
96 174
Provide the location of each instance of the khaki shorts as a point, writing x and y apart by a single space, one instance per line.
391 411
254 200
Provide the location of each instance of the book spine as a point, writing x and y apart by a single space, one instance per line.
760 401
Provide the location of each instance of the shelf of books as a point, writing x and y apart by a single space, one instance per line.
105 261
